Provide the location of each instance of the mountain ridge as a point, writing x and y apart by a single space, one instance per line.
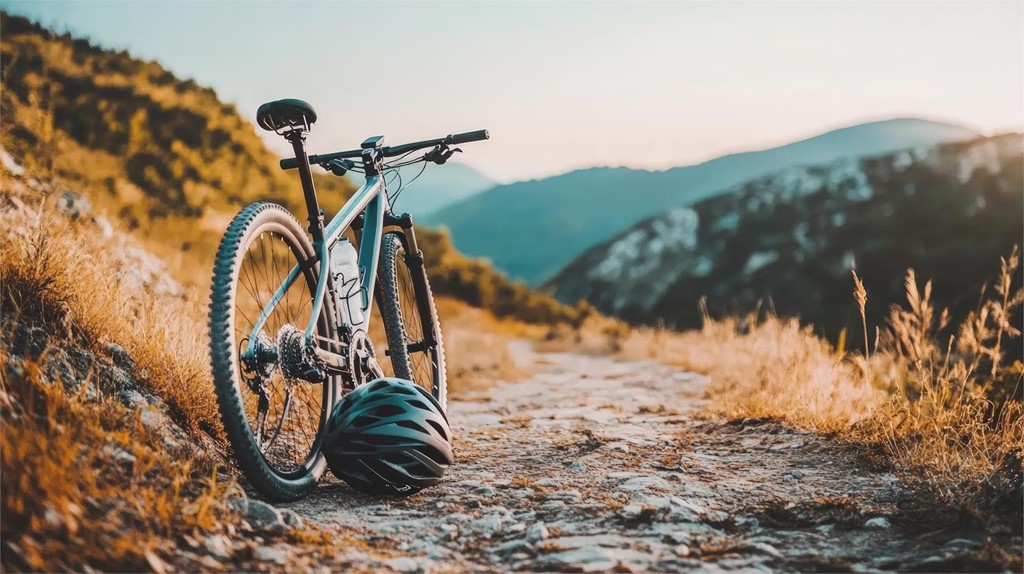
792 237
547 208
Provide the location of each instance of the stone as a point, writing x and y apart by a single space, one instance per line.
512 547
589 559
119 454
537 532
765 548
120 357
132 398
682 550
269 554
578 467
291 518
644 483
484 490
569 496
487 526
677 537
261 516
796 474
878 522
963 543
404 564
217 546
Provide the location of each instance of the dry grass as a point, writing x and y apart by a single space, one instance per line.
70 498
941 402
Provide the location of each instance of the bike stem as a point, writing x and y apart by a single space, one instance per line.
316 217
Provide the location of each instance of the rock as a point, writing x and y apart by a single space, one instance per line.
878 522
682 550
217 546
578 467
484 490
552 505
404 564
677 537
963 543
269 554
537 532
260 515
120 357
512 547
74 206
645 483
291 518
11 165
487 526
589 559
119 454
796 474
132 398
765 548
569 496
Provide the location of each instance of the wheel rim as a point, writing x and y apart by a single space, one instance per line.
284 421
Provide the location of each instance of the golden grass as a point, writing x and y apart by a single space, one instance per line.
945 407
69 501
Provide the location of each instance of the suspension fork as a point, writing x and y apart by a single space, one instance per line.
414 260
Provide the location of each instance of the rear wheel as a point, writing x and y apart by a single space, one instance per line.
272 421
407 310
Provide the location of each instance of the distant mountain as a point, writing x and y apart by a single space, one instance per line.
792 237
545 223
439 186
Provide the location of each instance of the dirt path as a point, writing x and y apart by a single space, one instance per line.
596 465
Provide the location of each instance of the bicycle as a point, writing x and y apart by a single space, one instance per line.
290 308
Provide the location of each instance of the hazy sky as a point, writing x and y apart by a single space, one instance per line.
572 84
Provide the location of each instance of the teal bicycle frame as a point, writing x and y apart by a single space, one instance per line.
372 199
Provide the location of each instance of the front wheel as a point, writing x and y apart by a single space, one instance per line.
406 304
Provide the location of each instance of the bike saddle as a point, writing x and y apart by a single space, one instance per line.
288 114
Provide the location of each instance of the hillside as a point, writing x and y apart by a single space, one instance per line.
792 237
546 223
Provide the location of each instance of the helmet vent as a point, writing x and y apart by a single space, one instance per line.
385 411
440 430
410 425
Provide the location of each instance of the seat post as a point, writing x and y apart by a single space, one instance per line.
297 137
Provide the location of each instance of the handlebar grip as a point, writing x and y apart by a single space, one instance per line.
290 163
467 137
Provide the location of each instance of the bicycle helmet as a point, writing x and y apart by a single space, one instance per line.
388 436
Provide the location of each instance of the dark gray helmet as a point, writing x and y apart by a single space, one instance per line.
388 436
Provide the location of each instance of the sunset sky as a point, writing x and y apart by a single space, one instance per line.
565 85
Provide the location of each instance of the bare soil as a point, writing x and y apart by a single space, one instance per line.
594 465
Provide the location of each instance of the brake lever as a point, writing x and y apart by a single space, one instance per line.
440 154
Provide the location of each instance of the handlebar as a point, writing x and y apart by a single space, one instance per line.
392 151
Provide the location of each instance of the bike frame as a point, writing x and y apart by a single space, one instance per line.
370 199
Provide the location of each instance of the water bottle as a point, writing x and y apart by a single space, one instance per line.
348 288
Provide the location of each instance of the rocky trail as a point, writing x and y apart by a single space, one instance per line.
594 465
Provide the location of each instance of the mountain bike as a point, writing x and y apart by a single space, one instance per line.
291 309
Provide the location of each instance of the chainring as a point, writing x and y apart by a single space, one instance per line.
362 361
